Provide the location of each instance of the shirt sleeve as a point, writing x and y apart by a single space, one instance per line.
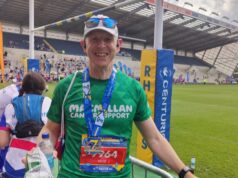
143 111
45 108
6 95
8 119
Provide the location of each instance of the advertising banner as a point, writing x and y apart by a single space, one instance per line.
33 65
156 78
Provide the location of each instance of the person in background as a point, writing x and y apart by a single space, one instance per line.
99 111
24 118
6 96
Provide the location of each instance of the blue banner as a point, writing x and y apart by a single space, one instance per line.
163 93
33 65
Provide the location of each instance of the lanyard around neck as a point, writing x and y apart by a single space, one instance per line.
94 127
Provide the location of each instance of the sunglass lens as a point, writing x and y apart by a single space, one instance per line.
92 22
109 23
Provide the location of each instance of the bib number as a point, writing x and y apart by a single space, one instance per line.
103 154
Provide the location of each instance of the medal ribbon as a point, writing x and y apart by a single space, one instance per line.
94 127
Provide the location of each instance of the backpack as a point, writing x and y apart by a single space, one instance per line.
29 128
28 114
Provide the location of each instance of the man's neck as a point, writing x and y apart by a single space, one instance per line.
100 73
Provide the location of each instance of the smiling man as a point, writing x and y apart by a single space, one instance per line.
99 110
101 44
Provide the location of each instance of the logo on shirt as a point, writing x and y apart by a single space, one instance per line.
113 111
73 108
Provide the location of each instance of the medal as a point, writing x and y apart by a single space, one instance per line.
95 125
93 146
100 153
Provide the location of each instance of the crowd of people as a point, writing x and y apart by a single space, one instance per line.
51 68
55 69
80 108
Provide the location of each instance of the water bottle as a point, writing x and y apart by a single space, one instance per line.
47 148
192 165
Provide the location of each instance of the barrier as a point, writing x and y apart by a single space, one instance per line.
148 167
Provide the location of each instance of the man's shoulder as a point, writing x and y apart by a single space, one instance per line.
125 78
67 80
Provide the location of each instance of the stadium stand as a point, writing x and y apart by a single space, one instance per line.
66 47
134 54
13 40
190 61
187 69
214 45
184 66
21 41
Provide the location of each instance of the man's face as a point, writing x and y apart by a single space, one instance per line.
101 48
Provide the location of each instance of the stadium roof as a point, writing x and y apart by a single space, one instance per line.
184 29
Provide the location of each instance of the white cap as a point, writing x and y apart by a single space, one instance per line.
113 31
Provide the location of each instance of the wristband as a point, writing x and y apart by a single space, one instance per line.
184 171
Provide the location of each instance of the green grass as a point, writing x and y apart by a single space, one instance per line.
204 122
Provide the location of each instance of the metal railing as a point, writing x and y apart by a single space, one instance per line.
148 167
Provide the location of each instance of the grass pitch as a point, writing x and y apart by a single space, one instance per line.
204 122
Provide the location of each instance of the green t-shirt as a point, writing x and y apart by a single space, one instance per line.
128 104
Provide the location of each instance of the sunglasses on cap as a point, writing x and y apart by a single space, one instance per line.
107 22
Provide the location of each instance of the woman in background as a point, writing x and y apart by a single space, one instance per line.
24 118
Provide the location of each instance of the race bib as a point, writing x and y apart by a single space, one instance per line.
102 154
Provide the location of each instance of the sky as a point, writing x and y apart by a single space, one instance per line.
228 8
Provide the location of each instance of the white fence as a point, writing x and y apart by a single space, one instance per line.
148 168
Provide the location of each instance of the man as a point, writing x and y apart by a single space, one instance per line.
99 111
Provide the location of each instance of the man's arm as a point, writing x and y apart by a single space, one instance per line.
160 146
53 129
